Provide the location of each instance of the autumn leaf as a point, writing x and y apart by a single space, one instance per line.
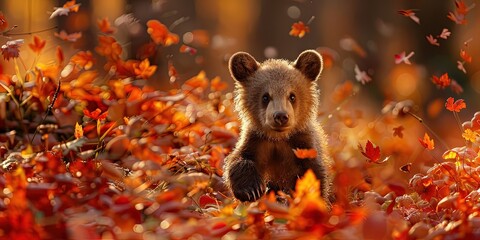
445 33
427 142
361 76
160 34
458 16
455 106
402 57
104 26
200 81
308 186
3 22
442 81
218 85
465 57
83 59
299 29
406 168
11 49
461 66
305 153
398 131
172 72
69 6
372 153
78 131
432 40
144 70
410 13
96 114
73 37
108 47
37 45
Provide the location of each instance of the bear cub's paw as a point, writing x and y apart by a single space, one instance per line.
246 183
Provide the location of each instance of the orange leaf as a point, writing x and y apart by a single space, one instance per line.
144 70
307 186
398 131
464 55
409 13
442 81
108 47
427 142
217 85
186 49
160 34
105 26
78 131
299 29
172 72
305 153
37 45
432 40
455 106
83 59
372 153
200 81
73 37
95 115
60 55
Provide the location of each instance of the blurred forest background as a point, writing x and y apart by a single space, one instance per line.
348 33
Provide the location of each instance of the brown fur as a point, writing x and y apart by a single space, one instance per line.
263 156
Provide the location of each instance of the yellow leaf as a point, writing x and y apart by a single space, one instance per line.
308 186
450 155
78 131
470 135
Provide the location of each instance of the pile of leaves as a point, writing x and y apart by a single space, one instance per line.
89 150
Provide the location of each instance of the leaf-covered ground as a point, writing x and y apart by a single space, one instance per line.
90 150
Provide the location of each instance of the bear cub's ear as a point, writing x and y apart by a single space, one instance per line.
310 63
242 65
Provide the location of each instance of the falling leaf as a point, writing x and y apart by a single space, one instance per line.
398 131
410 13
470 135
78 131
308 186
406 168
109 47
218 85
455 106
372 153
299 29
461 66
432 40
68 7
427 142
105 26
305 153
186 49
442 81
464 55
37 45
458 16
200 81
361 76
11 49
73 37
144 70
160 34
444 34
402 57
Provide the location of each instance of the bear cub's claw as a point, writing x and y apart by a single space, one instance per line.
250 193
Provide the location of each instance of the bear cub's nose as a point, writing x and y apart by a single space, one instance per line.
281 118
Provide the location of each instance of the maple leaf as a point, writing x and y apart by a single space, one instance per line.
83 59
464 55
444 34
361 76
470 135
455 106
37 45
402 57
427 142
442 81
372 153
105 26
144 70
305 153
160 34
299 29
186 49
432 40
308 186
73 37
11 49
109 47
461 10
96 114
398 131
68 7
409 13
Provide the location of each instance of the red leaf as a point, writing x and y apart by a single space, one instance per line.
455 106
427 142
442 81
372 153
299 29
305 153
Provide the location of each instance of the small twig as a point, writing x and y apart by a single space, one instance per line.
49 108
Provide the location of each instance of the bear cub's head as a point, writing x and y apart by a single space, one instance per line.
277 97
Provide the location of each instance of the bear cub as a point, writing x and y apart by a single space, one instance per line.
277 102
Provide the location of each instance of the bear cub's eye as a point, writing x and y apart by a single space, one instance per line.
265 98
292 97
